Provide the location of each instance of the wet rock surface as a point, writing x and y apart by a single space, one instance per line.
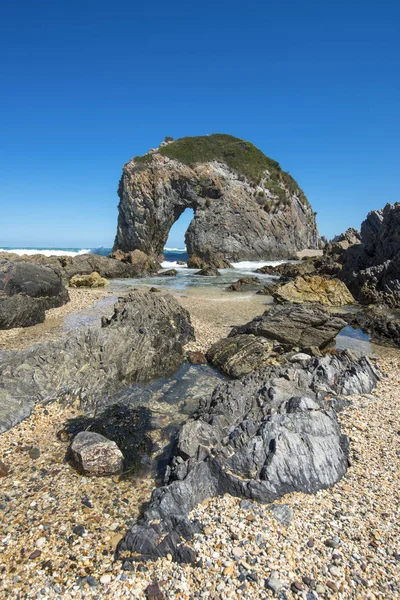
381 322
142 340
245 284
260 438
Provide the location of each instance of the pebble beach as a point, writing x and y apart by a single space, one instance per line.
59 530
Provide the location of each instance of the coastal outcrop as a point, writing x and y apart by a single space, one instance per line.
260 438
371 270
246 207
26 292
302 326
314 288
143 340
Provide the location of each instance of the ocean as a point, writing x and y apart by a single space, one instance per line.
185 277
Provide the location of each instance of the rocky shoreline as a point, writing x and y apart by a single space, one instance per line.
59 544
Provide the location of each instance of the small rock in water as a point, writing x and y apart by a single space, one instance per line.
197 358
154 592
282 513
4 470
94 454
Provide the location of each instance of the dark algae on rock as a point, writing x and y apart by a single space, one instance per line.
246 207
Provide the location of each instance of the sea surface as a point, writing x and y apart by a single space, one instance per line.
172 256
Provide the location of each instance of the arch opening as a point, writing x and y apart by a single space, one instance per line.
176 236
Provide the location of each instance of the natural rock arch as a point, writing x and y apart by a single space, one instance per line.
246 207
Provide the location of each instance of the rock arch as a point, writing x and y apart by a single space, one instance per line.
234 217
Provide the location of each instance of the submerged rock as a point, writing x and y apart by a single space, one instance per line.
259 438
94 280
93 454
322 290
209 272
143 340
245 205
245 284
301 326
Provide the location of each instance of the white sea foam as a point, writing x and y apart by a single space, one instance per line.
182 250
45 252
251 265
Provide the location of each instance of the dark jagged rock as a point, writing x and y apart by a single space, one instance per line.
380 322
299 326
209 272
169 273
371 270
26 292
143 340
259 438
139 265
320 265
245 284
239 355
246 207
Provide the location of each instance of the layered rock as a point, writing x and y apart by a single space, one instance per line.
143 340
262 437
246 207
26 292
301 326
321 290
371 269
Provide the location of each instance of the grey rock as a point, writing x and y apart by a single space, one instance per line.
234 217
333 542
274 584
282 513
169 273
239 355
27 291
371 270
302 326
258 438
93 454
143 340
301 358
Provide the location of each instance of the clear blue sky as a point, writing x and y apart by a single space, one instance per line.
87 85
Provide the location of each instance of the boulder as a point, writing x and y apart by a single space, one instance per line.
245 205
209 272
27 291
301 326
245 284
94 280
93 454
21 311
169 273
143 340
371 270
321 290
197 358
260 438
239 355
209 259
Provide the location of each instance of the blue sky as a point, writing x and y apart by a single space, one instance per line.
87 85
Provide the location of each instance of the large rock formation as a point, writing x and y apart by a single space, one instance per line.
27 291
371 269
143 340
261 437
246 207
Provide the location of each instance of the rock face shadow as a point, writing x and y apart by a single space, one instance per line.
128 427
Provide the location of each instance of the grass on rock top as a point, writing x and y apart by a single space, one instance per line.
239 155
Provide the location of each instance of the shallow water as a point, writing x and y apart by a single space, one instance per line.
186 278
